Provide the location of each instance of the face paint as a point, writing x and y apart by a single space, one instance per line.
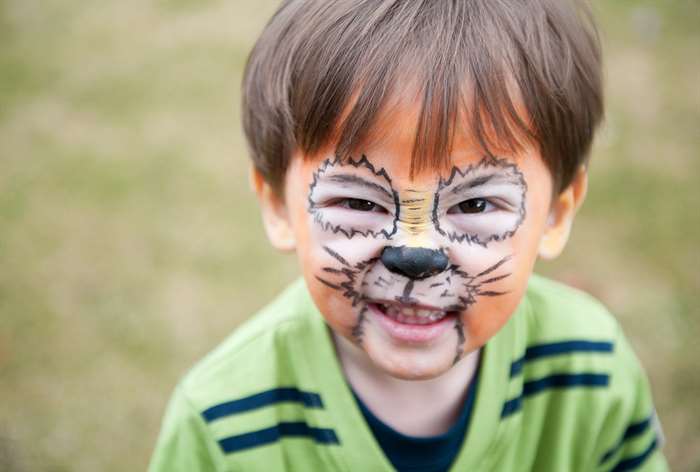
417 271
415 210
408 284
494 183
337 185
414 262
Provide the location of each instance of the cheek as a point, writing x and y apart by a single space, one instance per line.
320 249
474 259
489 313
353 250
313 240
330 256
325 280
488 318
331 264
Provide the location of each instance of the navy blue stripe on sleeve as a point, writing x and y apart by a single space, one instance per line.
517 367
555 381
275 433
566 347
262 399
632 431
565 380
563 347
632 463
511 406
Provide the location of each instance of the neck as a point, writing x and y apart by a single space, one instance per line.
389 398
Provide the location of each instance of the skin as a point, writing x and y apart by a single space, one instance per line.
338 216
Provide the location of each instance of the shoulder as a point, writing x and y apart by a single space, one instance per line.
255 355
577 362
559 311
238 396
570 332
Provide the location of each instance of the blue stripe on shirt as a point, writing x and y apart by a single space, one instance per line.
262 399
533 387
631 463
563 347
275 433
632 431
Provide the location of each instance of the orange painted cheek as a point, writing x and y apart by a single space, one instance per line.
338 312
488 317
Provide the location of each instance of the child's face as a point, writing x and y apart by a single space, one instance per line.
417 272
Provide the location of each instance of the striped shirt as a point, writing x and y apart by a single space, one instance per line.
559 390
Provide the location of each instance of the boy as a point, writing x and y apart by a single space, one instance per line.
418 156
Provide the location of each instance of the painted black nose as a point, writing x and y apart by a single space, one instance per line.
414 262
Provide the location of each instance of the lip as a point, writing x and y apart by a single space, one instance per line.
412 333
416 306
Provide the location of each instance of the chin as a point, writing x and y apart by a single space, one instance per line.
410 363
408 370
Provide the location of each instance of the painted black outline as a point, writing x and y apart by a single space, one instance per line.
473 283
347 287
351 232
461 338
492 161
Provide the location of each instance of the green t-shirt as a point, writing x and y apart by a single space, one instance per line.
559 390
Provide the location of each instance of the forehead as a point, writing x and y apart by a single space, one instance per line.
390 145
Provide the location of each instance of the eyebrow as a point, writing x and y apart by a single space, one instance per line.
354 179
479 181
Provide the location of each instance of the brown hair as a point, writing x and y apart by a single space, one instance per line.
323 69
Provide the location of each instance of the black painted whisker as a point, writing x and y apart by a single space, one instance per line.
490 293
494 267
495 279
329 284
336 256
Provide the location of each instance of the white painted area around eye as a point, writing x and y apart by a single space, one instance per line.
331 214
506 196
482 225
497 182
339 215
325 192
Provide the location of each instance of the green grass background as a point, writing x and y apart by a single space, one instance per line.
130 243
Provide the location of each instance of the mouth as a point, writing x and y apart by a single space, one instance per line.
411 314
412 324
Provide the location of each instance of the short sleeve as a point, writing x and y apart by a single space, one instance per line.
184 443
633 438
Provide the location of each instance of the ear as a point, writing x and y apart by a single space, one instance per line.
275 216
561 216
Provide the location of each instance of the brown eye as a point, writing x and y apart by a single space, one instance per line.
360 205
473 205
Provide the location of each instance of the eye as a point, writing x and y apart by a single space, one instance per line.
357 204
473 205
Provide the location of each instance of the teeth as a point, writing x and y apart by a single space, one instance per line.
411 315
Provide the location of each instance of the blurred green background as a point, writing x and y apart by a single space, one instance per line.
130 243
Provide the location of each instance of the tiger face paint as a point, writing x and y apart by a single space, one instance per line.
417 272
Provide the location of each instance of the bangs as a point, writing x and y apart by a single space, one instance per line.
450 100
500 71
458 75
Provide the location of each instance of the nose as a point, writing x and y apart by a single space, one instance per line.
414 262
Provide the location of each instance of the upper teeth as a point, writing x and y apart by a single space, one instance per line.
413 315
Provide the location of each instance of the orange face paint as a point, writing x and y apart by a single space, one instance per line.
463 243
